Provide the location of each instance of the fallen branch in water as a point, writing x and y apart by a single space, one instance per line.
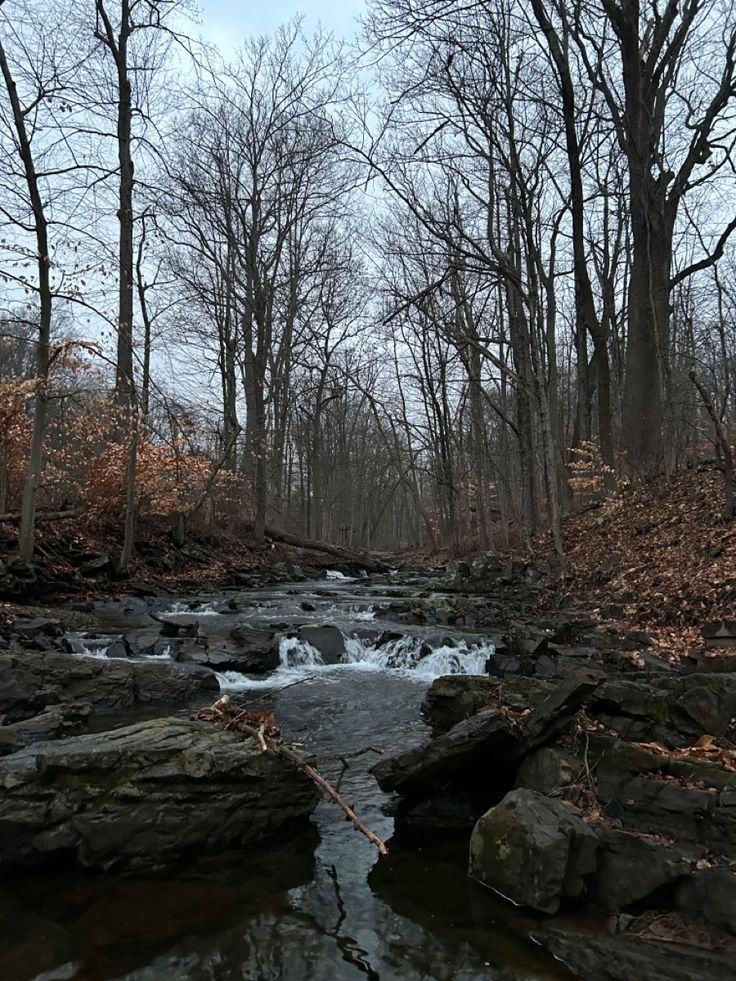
259 725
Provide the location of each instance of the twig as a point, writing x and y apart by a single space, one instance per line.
268 737
275 691
334 757
331 792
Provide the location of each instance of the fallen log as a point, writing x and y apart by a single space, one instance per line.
259 725
14 519
362 559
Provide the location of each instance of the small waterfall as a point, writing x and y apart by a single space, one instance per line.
187 609
99 652
412 653
297 653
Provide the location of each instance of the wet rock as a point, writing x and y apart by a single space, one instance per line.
675 710
142 642
145 795
255 650
328 640
632 868
710 894
30 682
452 698
533 850
628 958
470 751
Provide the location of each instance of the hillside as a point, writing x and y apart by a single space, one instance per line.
658 558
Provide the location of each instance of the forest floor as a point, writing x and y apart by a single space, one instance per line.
658 557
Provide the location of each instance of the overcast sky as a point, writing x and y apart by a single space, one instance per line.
228 22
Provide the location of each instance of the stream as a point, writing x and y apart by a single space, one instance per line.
322 906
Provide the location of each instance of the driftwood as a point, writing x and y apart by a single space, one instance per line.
362 559
259 725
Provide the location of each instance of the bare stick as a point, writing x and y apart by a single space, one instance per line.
331 792
271 743
334 757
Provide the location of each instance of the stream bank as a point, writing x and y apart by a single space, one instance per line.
359 657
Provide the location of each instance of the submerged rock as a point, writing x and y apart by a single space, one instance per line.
533 850
144 796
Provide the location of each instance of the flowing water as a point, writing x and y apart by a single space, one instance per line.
319 907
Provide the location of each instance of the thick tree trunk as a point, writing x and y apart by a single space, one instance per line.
648 332
26 534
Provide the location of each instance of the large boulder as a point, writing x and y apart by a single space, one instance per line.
145 795
469 753
673 709
479 750
455 697
32 681
533 850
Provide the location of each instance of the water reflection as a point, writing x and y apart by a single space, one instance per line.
319 907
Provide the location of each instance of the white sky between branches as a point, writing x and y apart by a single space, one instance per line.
226 23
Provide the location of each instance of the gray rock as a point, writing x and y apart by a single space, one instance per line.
452 698
552 716
711 895
548 769
533 850
623 958
469 751
631 868
328 640
37 627
31 681
674 710
484 745
145 795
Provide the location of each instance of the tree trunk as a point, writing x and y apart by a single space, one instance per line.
26 534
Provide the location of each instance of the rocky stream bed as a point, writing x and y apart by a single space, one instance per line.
559 800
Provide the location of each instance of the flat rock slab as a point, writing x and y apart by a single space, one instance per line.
477 747
31 681
144 796
626 958
477 744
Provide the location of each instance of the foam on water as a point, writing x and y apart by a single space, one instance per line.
185 609
408 655
336 574
97 652
296 653
413 654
